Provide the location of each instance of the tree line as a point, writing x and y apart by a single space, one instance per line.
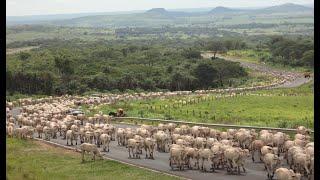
75 68
293 52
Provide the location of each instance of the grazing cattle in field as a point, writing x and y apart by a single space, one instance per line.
120 113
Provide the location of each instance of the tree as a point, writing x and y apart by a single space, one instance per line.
192 53
291 51
152 56
308 58
24 56
63 64
228 44
215 47
205 74
226 70
125 52
99 81
177 81
181 81
170 69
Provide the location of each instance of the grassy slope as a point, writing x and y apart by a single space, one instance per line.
274 111
34 160
248 55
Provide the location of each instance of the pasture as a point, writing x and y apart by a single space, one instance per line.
35 160
284 108
249 55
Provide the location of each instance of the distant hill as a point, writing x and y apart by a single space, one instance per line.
154 17
157 10
224 10
38 19
164 12
285 8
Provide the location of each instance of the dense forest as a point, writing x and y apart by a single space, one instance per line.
298 52
74 68
78 60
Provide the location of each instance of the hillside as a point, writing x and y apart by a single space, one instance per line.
286 8
224 10
157 10
158 17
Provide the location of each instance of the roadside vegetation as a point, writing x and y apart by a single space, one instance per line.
280 52
27 159
284 108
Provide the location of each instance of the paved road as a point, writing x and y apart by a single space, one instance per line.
298 77
255 171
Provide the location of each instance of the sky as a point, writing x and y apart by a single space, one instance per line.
42 7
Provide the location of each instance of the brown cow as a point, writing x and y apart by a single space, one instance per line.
120 112
307 75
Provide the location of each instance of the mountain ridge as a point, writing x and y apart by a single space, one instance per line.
155 14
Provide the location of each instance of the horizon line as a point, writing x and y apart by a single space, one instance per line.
137 10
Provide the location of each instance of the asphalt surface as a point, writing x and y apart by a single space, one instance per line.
298 77
255 171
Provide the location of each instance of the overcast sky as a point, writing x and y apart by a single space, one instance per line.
40 7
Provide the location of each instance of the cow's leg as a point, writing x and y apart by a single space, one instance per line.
202 164
146 149
82 153
252 153
129 152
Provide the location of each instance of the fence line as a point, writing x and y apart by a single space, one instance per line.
204 124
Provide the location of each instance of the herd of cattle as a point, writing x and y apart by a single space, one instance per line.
112 98
189 147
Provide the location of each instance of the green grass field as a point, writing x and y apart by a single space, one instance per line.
28 159
285 108
87 34
249 55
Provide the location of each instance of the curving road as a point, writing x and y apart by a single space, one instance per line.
297 78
